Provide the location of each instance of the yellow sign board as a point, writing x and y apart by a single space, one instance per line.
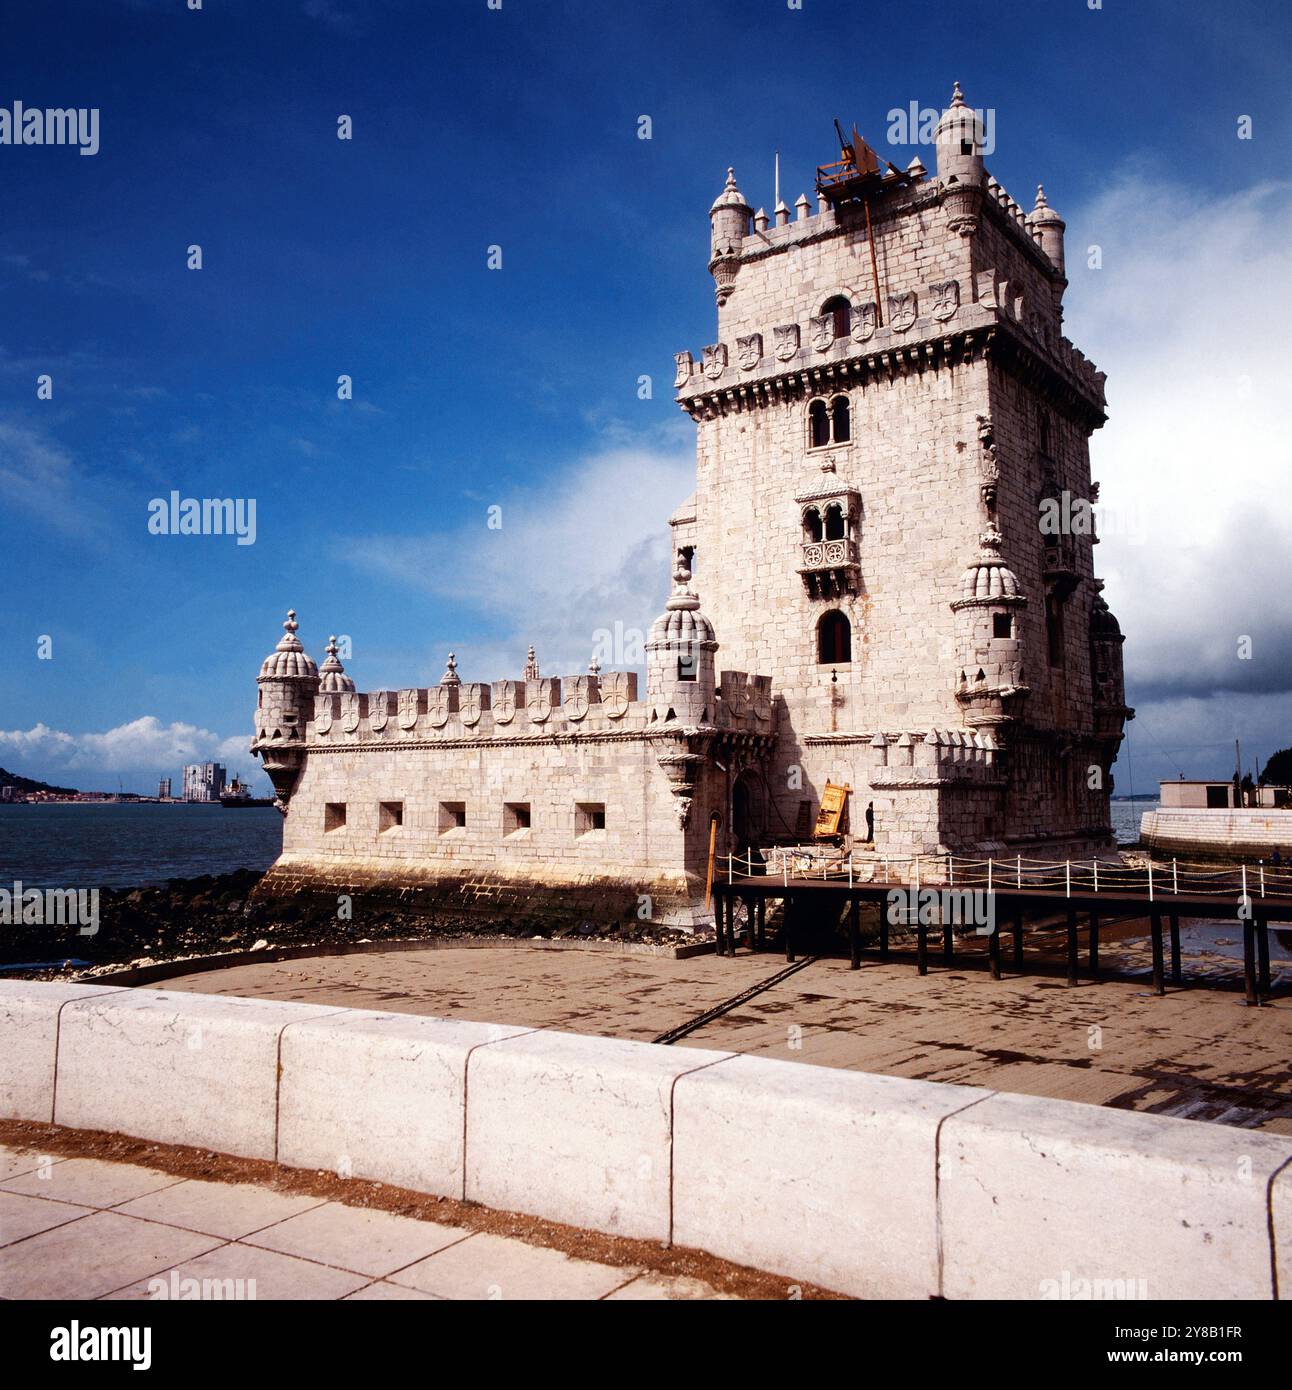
834 799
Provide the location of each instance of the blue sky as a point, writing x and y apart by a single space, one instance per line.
519 387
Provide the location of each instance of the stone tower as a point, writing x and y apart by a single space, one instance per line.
888 409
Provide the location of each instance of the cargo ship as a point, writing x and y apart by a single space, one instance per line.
238 795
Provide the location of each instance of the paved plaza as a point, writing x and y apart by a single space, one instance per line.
86 1228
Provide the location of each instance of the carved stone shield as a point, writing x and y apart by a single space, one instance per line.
350 712
864 322
323 715
539 699
749 351
902 311
578 697
616 693
471 702
683 362
821 331
378 711
408 703
438 706
715 360
946 299
762 700
504 707
787 340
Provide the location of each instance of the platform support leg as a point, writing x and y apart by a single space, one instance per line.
993 950
921 947
1176 976
1155 922
854 931
1094 945
1072 945
1263 955
1250 989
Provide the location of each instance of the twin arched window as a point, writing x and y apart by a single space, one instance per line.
830 525
829 422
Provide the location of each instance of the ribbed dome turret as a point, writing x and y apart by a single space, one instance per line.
681 622
989 577
332 677
288 658
731 196
1102 621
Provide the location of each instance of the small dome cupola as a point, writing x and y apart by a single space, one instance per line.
288 660
1048 228
332 677
989 577
679 656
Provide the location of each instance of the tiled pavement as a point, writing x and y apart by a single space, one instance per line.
86 1228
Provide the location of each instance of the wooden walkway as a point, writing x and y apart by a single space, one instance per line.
941 893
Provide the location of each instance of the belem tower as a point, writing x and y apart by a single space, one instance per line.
861 595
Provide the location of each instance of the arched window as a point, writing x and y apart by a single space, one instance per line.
841 312
841 419
833 639
818 424
812 524
834 527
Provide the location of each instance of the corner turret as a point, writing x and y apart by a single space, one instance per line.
961 173
679 657
729 226
287 684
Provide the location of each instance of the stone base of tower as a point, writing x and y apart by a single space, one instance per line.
460 895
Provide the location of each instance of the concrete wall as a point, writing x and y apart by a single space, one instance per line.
873 1186
1190 834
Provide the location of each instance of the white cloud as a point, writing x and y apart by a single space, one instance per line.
144 745
1188 317
40 479
587 550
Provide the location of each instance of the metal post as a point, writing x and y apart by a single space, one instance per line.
1095 863
1072 944
883 931
1067 869
917 873
921 944
1019 883
1150 880
1175 877
951 873
1263 955
1176 977
729 860
989 873
1155 921
1262 880
1251 992
849 868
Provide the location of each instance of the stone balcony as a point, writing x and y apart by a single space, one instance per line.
830 568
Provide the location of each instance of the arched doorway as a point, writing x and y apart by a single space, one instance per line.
747 811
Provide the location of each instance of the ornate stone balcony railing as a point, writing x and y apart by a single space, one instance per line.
830 568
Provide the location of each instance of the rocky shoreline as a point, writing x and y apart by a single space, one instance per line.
208 915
